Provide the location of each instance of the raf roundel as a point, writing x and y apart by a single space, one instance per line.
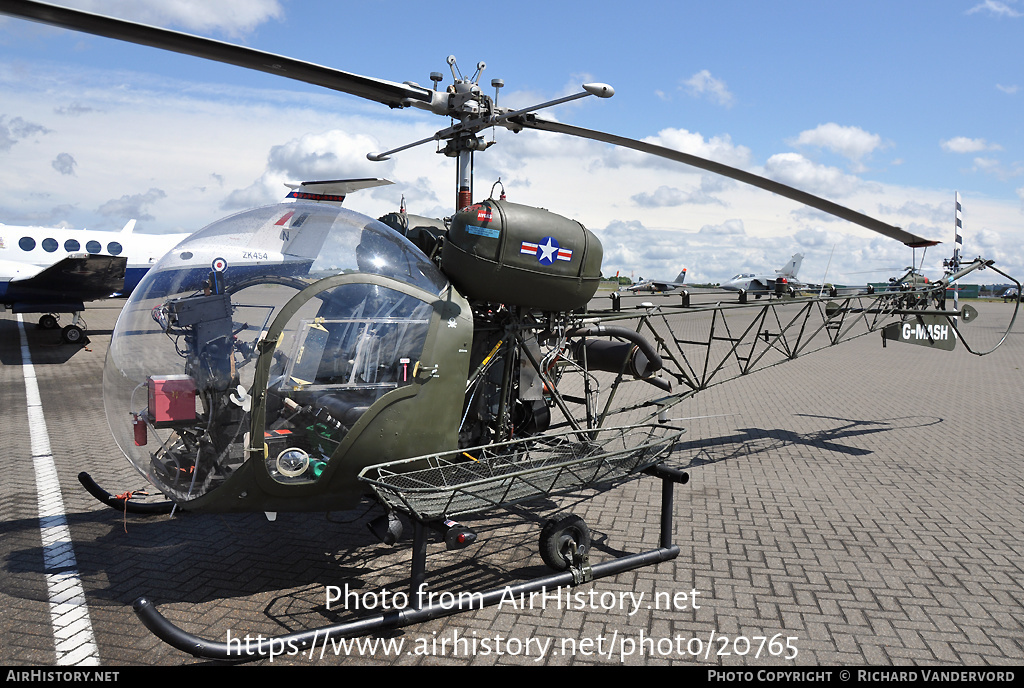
219 265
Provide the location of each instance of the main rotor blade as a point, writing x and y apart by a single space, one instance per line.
387 92
891 231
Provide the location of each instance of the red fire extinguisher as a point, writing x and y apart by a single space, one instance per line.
139 427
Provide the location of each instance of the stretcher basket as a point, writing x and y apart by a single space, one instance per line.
470 480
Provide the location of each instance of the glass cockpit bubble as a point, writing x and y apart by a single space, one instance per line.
179 373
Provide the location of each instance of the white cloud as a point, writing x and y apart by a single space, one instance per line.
663 196
17 129
805 213
986 164
1009 90
233 17
325 154
727 228
666 196
73 110
718 148
815 238
853 143
703 85
962 144
987 241
936 213
65 164
227 146
996 8
330 155
996 168
796 170
132 206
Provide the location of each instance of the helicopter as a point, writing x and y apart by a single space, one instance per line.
302 356
910 279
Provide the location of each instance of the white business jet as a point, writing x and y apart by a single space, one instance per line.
51 271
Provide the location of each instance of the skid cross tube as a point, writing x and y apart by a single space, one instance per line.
305 642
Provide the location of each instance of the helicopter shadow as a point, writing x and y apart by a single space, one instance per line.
746 442
505 554
193 559
388 587
198 559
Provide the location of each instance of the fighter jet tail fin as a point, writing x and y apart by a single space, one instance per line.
792 267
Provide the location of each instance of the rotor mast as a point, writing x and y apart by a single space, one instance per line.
472 111
471 107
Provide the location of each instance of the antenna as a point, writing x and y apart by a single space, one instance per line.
824 278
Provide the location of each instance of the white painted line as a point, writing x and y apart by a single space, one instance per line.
69 614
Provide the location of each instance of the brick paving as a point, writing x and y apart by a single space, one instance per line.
866 502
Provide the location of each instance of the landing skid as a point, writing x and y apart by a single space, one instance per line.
120 503
579 572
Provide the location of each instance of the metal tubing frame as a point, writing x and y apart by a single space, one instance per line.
293 643
795 333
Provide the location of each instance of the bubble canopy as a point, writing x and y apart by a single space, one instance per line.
289 322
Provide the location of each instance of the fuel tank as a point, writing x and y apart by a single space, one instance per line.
503 252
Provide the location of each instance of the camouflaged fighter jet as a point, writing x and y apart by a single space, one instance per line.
782 281
659 285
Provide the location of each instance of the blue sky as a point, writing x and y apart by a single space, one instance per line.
885 107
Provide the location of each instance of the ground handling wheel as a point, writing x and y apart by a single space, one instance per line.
564 542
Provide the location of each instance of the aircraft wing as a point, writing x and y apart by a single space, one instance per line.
79 277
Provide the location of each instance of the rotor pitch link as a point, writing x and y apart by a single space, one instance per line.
293 643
